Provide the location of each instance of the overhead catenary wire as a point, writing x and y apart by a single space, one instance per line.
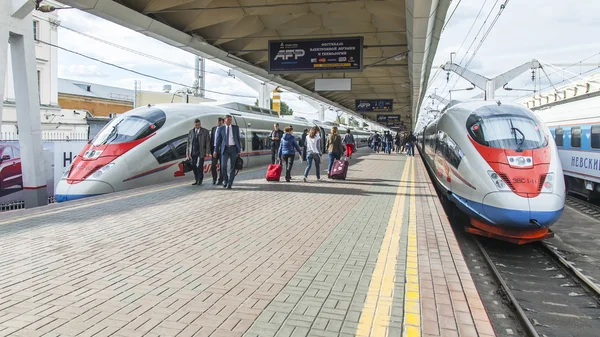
137 52
452 14
139 73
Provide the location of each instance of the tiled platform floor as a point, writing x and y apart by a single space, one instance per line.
370 256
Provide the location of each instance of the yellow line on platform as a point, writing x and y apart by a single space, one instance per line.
412 303
100 202
375 316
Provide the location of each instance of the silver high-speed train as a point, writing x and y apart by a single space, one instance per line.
144 146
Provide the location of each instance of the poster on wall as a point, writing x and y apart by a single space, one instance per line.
57 156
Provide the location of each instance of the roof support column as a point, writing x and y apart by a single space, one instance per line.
3 56
16 25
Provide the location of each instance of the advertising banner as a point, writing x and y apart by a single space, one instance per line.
374 105
57 156
316 55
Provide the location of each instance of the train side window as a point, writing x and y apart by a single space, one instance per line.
576 137
261 141
595 137
559 134
163 154
180 145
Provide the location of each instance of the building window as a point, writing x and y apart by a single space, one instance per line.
559 136
576 137
36 30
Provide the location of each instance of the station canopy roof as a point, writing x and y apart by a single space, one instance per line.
237 32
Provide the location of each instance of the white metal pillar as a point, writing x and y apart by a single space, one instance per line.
3 63
320 108
16 23
263 89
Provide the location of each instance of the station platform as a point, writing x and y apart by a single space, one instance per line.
373 255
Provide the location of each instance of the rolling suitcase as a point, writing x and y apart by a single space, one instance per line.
339 169
274 172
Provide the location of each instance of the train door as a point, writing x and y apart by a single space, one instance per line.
241 122
323 140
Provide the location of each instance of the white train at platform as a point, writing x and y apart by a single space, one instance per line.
498 164
144 146
575 126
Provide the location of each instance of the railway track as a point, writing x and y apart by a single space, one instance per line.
548 294
583 206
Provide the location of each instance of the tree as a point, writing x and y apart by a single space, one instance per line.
256 103
285 109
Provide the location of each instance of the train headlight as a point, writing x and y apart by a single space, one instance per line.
92 154
548 186
101 171
500 184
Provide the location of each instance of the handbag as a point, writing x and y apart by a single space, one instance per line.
239 164
187 166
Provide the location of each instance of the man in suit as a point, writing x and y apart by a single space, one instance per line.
198 147
276 135
229 137
214 148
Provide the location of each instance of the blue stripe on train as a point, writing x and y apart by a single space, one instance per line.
504 216
71 197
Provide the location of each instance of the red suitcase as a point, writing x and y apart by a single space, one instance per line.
339 169
274 172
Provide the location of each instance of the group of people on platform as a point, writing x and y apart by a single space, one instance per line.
388 143
285 146
224 145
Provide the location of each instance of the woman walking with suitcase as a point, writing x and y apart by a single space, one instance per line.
335 149
287 150
312 147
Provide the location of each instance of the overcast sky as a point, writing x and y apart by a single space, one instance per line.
549 30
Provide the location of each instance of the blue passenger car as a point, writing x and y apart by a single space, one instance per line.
579 151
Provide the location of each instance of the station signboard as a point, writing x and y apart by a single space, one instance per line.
374 105
316 55
389 119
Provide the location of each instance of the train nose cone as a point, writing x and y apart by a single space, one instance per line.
546 208
84 189
511 210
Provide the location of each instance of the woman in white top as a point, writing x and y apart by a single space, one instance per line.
313 152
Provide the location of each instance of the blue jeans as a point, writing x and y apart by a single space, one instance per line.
309 161
332 157
229 156
411 149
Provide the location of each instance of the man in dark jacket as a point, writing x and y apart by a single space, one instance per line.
198 147
275 136
216 160
410 144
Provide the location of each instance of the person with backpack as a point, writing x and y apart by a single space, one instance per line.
313 152
349 142
335 149
410 144
287 151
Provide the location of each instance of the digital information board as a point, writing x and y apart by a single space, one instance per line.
316 55
374 105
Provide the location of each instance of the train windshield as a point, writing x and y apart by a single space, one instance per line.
128 128
514 131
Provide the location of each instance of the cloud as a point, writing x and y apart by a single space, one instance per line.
80 71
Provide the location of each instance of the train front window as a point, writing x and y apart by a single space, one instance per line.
134 125
512 132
